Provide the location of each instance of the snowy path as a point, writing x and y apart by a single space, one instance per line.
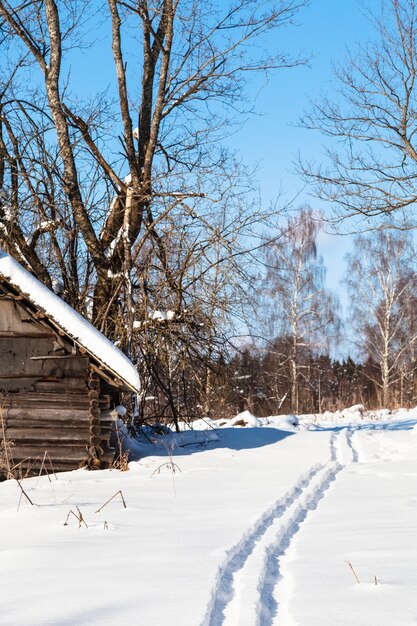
244 594
368 519
345 453
268 576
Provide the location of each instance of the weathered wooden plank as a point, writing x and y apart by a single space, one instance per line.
67 385
26 415
29 404
48 410
19 384
39 447
49 401
69 398
49 396
32 467
70 459
38 434
13 377
20 357
26 335
14 318
45 424
57 357
45 412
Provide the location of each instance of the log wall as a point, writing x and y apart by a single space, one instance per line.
51 400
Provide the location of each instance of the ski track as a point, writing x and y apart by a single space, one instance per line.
349 438
243 593
346 452
334 447
223 590
268 605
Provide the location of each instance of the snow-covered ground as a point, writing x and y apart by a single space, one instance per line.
263 523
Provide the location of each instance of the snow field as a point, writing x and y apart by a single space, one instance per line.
255 528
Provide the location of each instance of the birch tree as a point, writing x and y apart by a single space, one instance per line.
382 284
303 311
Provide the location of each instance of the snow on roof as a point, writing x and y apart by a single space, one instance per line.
68 320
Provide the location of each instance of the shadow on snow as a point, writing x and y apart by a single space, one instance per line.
189 442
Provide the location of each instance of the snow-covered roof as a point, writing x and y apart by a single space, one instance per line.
69 321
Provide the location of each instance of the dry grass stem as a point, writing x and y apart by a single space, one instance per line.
79 518
46 457
5 449
353 572
67 498
170 465
121 462
19 468
110 499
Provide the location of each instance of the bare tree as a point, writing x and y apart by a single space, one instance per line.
187 324
305 312
371 123
96 181
382 283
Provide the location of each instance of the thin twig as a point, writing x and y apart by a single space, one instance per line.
23 491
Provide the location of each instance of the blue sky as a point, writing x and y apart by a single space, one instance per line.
272 139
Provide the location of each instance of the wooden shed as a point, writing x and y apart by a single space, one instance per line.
60 378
